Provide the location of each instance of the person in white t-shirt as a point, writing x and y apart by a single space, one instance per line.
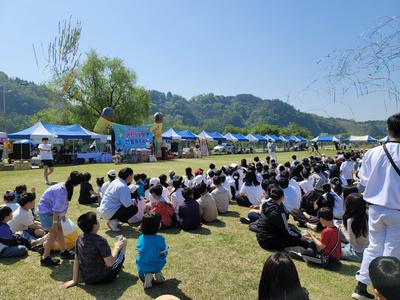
46 155
272 149
111 174
23 220
307 185
380 175
346 169
292 197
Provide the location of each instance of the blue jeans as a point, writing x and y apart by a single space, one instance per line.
28 235
14 251
348 253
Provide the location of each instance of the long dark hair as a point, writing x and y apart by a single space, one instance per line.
251 178
280 280
189 173
74 179
356 208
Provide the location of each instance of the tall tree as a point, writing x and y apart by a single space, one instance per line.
106 82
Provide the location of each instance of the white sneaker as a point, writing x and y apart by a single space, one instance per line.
159 277
148 281
113 225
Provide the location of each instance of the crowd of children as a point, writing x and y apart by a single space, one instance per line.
320 193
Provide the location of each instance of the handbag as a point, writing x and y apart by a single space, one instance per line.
319 258
396 168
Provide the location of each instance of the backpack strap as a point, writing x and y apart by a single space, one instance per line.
396 168
337 242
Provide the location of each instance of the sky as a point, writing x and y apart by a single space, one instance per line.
266 48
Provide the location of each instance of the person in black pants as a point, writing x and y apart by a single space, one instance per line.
273 230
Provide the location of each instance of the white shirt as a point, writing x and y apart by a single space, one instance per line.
253 192
382 183
117 194
45 152
292 200
149 196
346 169
177 199
104 187
141 206
338 207
22 218
307 185
293 183
13 206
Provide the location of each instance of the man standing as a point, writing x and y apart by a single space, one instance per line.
47 158
380 175
117 205
271 149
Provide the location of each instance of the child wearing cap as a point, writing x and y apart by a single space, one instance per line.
153 182
111 174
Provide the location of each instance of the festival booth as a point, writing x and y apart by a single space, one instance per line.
204 139
134 143
326 139
69 142
183 143
362 139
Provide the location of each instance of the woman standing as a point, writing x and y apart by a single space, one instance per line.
53 207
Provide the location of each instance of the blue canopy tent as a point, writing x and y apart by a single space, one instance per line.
284 138
272 137
171 134
252 138
216 136
240 137
24 142
187 134
230 137
41 130
325 139
295 138
205 136
260 138
301 138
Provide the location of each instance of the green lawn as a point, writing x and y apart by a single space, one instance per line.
220 261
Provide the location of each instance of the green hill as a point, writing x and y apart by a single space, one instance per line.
212 112
26 101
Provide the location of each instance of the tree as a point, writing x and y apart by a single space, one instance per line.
294 129
105 82
264 128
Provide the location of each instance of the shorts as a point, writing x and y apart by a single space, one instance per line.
47 221
47 163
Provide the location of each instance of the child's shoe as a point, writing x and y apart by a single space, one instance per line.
67 254
49 262
159 277
148 281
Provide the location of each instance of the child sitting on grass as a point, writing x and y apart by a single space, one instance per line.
385 277
138 201
87 195
9 200
161 206
152 250
329 244
11 245
23 220
189 212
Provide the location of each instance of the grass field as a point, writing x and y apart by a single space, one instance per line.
221 260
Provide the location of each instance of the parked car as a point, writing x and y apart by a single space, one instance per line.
227 148
298 147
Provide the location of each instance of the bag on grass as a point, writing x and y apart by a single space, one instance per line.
70 235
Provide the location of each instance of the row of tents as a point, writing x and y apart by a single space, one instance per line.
76 131
173 134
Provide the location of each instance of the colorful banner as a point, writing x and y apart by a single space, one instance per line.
127 137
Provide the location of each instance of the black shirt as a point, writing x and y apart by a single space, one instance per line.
189 214
91 249
84 196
